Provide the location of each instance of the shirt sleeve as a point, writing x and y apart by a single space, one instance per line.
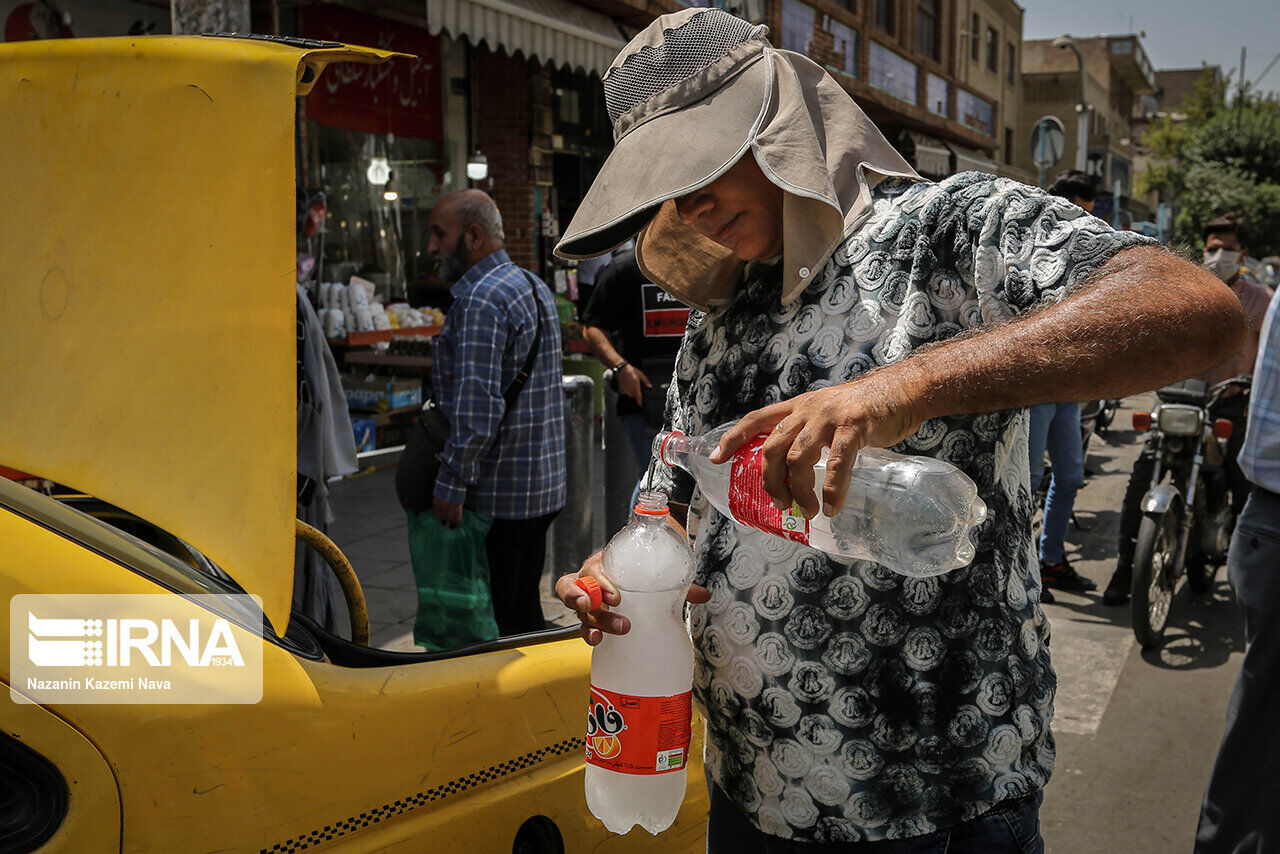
603 309
473 401
1020 247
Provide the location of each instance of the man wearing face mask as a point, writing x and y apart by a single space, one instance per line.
843 302
1225 249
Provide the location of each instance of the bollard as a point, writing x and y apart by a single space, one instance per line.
570 533
620 474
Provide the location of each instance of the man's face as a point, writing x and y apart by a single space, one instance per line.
741 210
448 244
1229 242
1087 205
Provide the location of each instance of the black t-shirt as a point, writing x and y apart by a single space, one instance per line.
645 323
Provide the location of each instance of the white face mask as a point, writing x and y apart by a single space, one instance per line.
1223 263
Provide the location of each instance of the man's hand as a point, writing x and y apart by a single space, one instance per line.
596 624
449 514
874 411
632 382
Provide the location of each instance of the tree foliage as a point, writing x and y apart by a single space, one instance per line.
1214 156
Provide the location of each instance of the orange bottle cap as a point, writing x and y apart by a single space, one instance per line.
591 587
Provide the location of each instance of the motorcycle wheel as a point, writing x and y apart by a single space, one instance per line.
1154 576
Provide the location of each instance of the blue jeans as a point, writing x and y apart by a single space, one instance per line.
1239 814
1056 426
640 434
1012 827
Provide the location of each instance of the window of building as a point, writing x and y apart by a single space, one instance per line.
993 50
1008 145
1011 64
973 36
846 45
894 74
884 15
797 26
975 112
939 96
927 28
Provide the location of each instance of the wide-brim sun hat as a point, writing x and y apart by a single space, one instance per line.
688 97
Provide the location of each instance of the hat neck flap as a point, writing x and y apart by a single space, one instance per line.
818 146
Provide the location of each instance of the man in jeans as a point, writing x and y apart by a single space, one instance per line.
634 328
1239 812
1056 427
1225 247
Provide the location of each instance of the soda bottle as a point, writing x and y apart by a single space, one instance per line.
638 720
913 515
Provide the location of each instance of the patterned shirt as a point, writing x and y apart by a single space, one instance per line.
510 465
1260 454
845 702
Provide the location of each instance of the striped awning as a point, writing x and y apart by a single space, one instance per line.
933 159
968 160
553 31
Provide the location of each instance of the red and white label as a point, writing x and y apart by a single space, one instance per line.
638 735
752 506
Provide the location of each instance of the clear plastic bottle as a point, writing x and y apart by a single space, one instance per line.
639 716
913 515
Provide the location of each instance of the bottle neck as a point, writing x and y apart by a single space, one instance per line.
672 447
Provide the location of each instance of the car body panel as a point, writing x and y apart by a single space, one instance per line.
148 335
148 250
460 751
92 823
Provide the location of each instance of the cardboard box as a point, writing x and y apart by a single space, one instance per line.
381 394
366 433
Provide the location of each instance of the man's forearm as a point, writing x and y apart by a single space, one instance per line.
601 346
1149 319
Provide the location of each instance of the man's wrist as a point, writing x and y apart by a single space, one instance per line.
620 366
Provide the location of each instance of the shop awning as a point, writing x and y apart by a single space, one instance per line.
553 31
968 160
933 159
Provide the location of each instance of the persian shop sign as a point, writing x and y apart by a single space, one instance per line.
401 96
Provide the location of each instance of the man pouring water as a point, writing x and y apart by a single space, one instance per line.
842 302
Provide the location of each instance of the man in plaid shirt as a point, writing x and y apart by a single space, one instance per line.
508 464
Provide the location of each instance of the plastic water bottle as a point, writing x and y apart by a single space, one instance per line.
639 718
913 515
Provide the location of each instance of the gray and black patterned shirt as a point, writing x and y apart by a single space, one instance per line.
845 702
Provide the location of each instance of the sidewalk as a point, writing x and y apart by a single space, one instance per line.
371 529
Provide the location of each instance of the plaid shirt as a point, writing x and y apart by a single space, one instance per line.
510 465
1260 455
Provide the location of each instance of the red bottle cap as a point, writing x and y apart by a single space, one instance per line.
591 587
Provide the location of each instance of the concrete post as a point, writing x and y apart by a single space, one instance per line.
209 16
571 532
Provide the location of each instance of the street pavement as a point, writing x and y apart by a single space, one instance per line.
1136 731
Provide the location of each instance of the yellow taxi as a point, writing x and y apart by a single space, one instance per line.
147 360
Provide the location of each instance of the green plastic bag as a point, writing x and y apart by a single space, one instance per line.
455 607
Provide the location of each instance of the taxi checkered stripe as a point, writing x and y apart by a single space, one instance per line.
436 793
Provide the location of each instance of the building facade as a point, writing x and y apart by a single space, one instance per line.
1117 75
897 58
988 59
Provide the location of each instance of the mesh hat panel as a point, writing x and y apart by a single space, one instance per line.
685 50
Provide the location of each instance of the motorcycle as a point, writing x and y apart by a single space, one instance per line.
1103 413
1187 516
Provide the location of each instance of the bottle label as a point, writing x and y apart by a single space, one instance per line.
638 735
752 506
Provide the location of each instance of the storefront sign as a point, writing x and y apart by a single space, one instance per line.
402 96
